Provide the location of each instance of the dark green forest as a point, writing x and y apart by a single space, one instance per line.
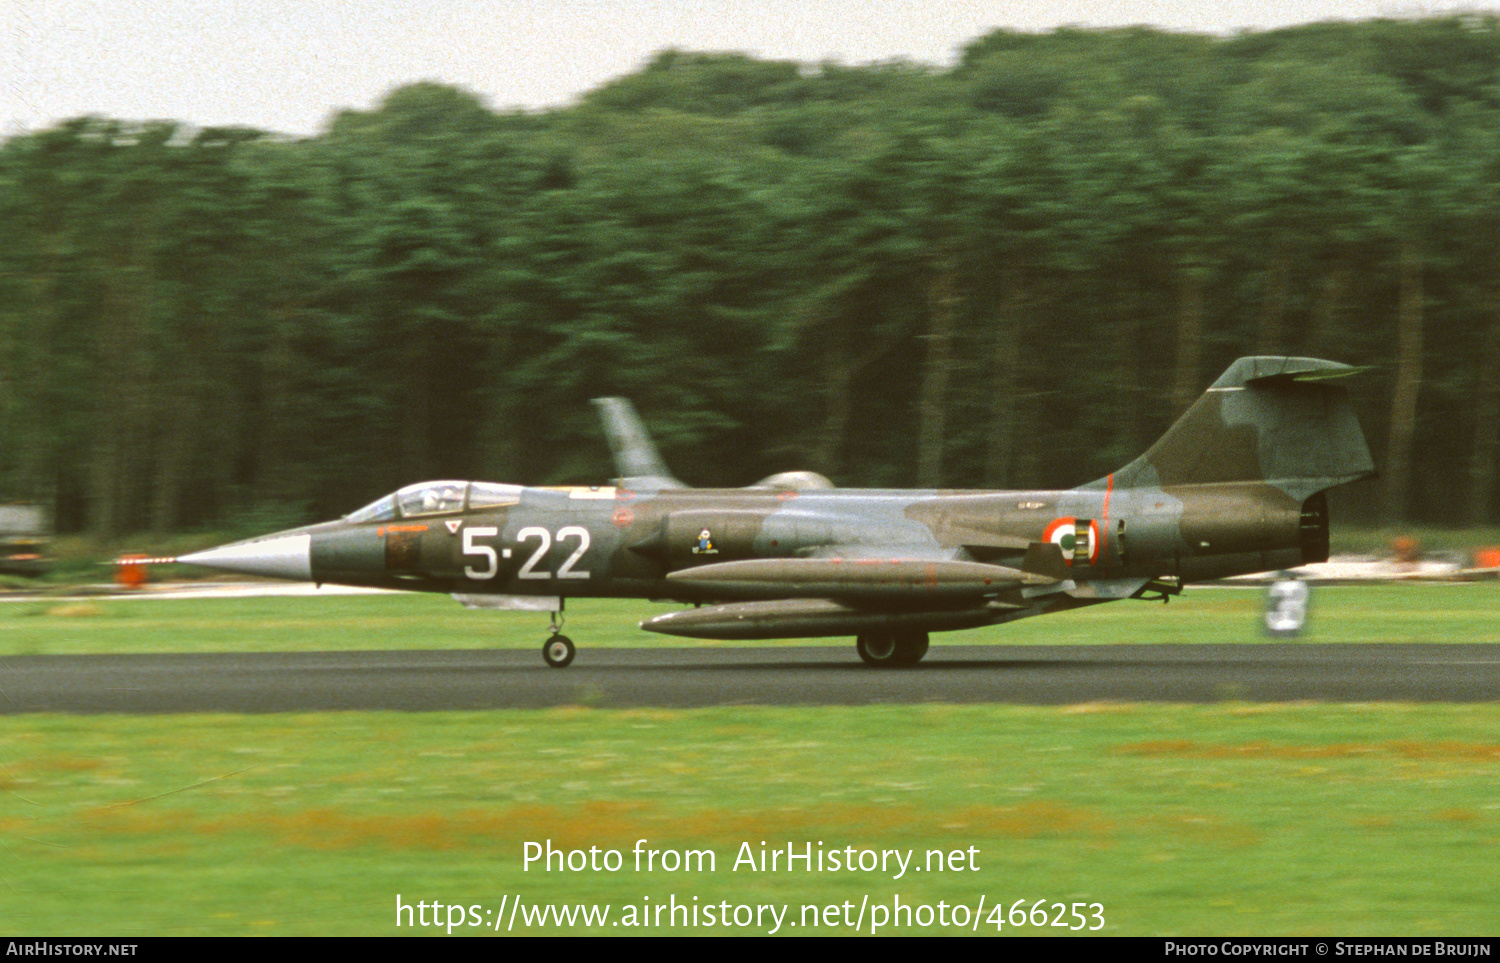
1012 273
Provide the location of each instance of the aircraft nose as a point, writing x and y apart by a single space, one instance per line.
279 556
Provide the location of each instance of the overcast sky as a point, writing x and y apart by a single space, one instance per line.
288 65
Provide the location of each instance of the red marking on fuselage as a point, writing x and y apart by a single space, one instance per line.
623 517
1109 487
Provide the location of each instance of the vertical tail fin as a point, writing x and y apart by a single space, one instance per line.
1271 419
636 458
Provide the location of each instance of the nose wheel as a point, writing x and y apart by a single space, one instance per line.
558 651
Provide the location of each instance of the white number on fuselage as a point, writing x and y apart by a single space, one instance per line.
529 569
536 556
566 569
485 552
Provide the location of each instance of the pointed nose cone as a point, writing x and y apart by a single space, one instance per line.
279 556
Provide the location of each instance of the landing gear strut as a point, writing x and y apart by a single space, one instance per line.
885 650
558 650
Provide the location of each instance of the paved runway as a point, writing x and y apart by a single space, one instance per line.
428 681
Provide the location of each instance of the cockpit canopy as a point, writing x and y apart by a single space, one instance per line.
436 498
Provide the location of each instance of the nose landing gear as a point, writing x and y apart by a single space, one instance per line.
558 650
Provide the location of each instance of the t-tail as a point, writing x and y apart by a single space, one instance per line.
1247 466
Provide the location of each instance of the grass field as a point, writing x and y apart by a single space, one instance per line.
1373 613
1223 819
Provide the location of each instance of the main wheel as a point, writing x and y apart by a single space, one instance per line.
558 651
911 647
879 649
892 649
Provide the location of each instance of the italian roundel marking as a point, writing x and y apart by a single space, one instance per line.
1063 532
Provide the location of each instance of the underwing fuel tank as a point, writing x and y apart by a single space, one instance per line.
856 578
813 618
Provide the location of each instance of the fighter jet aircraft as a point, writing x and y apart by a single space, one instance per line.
1235 486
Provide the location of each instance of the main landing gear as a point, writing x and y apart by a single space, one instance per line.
889 650
558 650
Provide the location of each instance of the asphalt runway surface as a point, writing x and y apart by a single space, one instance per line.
714 676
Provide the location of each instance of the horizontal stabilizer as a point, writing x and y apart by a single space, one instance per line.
1267 370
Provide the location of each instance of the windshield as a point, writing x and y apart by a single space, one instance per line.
431 498
381 510
437 498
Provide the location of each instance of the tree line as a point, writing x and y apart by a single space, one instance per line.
1011 273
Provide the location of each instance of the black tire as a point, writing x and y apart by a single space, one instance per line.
887 650
879 649
558 651
911 647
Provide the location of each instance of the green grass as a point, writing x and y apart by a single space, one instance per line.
1374 613
1179 819
1378 541
1229 819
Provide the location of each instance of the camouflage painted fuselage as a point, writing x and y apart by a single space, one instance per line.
879 551
1236 486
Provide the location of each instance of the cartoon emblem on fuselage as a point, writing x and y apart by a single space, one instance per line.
705 544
